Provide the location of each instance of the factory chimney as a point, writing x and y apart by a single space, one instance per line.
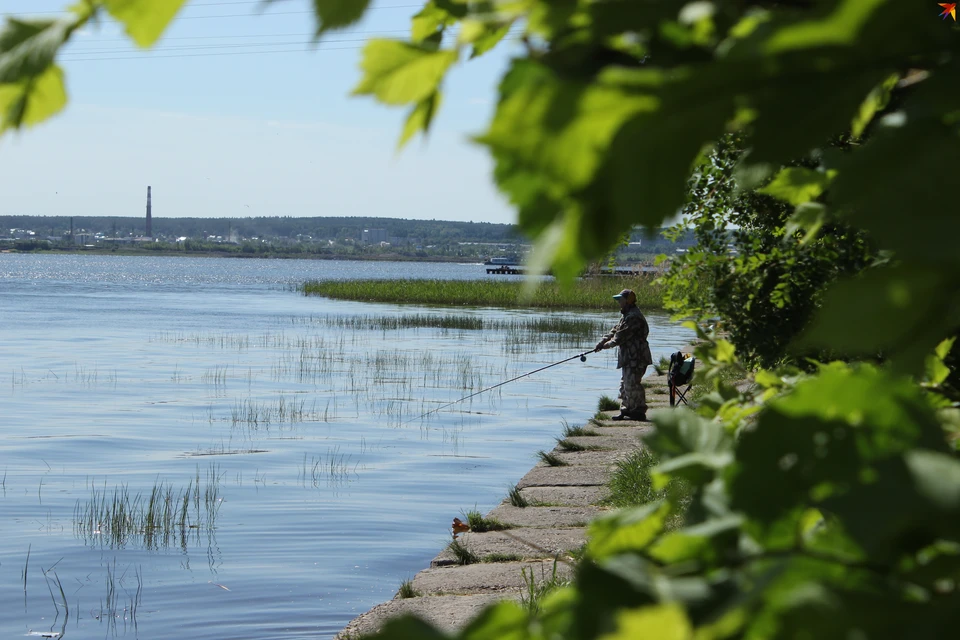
149 220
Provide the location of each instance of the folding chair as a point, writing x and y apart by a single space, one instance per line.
680 374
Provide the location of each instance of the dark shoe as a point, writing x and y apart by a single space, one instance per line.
619 417
638 417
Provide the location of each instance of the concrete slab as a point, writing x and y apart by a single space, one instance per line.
545 517
609 442
569 496
604 440
610 428
527 544
488 577
542 476
448 613
591 458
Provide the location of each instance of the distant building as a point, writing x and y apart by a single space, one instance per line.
374 236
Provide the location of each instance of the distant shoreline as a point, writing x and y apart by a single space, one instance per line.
251 256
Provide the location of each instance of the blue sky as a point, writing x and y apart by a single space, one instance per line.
220 124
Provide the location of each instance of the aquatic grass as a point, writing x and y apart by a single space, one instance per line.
335 468
158 520
606 403
517 499
551 459
584 293
111 607
480 524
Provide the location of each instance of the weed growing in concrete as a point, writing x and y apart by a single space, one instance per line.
533 592
606 403
578 432
407 591
479 524
517 498
502 557
551 460
570 445
462 554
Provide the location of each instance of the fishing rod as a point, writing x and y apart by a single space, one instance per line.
582 356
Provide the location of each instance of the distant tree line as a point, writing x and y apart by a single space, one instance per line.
270 228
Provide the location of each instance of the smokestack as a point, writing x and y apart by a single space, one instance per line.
149 220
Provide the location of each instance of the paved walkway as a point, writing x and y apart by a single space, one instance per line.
562 499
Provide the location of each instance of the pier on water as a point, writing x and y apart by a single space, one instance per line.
513 270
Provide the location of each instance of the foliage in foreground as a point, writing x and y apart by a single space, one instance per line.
827 504
587 293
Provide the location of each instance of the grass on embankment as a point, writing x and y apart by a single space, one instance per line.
584 293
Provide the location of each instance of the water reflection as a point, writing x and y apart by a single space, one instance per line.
312 412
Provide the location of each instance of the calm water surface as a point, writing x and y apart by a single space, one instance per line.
315 488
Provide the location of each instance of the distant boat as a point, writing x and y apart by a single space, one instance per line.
503 261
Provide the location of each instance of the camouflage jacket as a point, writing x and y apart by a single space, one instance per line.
630 334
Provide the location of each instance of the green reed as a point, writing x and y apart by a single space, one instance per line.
164 517
583 293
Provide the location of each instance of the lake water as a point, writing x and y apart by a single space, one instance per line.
290 425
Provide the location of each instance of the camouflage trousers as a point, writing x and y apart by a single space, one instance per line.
633 397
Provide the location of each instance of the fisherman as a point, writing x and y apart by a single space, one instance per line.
630 334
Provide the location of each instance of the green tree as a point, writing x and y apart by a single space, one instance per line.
752 266
825 504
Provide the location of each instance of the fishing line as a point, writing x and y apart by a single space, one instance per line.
582 356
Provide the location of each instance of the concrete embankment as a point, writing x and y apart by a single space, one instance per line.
562 499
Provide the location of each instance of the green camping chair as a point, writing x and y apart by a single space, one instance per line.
679 374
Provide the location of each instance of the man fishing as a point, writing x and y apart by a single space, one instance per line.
630 334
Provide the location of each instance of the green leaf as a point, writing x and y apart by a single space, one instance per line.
558 244
651 156
809 218
488 38
456 8
798 185
821 438
819 67
902 312
663 622
144 20
681 432
336 14
28 47
937 370
900 171
406 627
32 100
505 620
430 20
626 530
875 102
400 73
555 127
914 502
707 542
420 118
696 468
